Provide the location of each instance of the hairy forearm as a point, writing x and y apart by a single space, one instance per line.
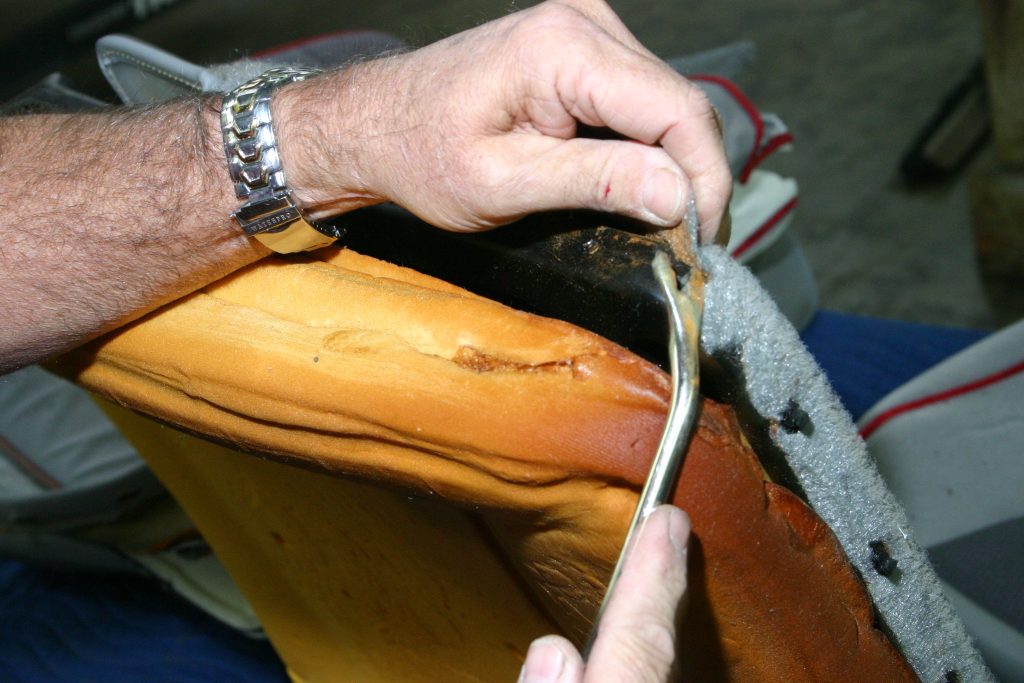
106 217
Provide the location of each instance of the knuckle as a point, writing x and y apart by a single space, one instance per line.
641 653
671 572
557 13
544 34
566 21
585 8
659 641
652 646
565 8
618 176
698 104
621 185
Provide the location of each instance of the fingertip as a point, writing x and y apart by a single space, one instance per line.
722 233
664 196
669 521
710 232
551 659
715 223
678 529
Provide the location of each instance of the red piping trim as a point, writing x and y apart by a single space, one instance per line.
748 107
765 228
780 140
28 466
299 42
884 417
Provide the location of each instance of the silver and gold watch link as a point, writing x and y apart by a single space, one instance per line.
268 213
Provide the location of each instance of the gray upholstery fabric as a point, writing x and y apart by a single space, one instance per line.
948 443
85 471
987 566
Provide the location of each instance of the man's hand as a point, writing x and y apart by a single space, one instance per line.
481 128
637 641
112 214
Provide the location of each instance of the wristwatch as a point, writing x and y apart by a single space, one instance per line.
268 213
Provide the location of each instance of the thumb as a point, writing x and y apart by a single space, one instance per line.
552 659
637 638
616 176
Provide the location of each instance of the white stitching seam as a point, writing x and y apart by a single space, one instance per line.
109 57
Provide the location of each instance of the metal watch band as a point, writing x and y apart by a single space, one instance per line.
269 213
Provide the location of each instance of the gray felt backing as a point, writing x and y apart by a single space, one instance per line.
831 465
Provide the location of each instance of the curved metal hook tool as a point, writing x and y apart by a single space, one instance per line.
684 308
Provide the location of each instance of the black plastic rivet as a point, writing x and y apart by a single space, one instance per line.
795 419
881 559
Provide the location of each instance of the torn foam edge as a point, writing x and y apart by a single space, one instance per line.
832 465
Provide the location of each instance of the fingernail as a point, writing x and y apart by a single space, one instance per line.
544 663
663 194
679 531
